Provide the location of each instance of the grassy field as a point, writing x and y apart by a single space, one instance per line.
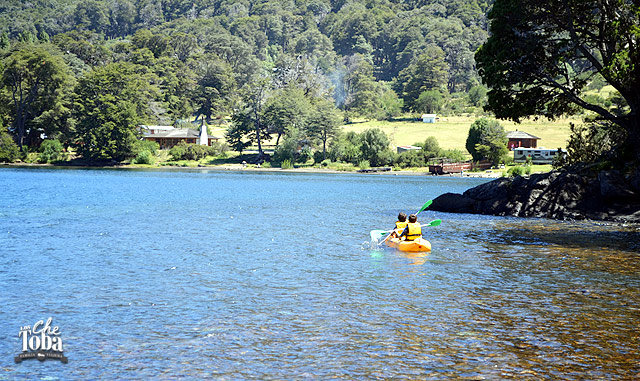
451 132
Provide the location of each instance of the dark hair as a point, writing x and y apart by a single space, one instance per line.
402 216
413 218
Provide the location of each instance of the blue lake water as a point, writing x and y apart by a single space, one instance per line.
236 275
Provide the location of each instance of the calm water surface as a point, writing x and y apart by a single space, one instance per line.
167 274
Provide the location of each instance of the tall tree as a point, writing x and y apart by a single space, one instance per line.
35 78
287 109
487 139
111 101
215 87
542 54
427 72
324 123
249 117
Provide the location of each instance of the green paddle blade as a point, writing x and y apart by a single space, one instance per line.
376 235
435 222
425 206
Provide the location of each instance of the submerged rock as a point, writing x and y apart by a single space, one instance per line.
564 195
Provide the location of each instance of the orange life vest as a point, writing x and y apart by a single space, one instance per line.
415 231
400 227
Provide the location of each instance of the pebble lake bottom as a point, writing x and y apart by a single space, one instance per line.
232 275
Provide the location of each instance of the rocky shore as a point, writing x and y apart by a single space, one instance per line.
572 194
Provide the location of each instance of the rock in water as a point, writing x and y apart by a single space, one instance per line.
564 195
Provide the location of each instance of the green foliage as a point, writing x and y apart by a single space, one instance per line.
375 147
144 157
427 72
431 147
9 150
111 101
410 159
592 142
487 139
455 155
478 95
542 68
286 164
142 145
36 82
51 150
184 151
519 170
516 171
429 101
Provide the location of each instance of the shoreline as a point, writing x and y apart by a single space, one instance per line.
240 168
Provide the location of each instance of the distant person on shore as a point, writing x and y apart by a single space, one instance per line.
401 224
413 230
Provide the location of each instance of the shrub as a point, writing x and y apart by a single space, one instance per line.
517 171
50 151
325 163
183 151
410 159
305 155
9 151
144 157
286 164
364 164
145 145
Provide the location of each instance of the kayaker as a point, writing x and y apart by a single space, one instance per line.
413 230
400 225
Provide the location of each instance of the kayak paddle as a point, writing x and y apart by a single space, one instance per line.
425 206
379 233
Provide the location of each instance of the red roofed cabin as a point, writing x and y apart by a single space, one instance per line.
522 139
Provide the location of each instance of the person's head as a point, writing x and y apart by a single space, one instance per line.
413 218
402 216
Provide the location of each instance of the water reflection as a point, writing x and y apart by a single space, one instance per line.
148 276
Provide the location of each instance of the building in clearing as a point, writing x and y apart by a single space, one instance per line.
170 137
429 118
521 139
401 149
536 155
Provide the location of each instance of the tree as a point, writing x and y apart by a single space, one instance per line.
9 150
487 140
543 53
429 101
375 147
324 123
427 72
287 109
36 79
248 118
214 88
111 101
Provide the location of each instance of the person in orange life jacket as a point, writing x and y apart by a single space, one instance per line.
400 225
413 230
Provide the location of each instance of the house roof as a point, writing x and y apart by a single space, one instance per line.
520 135
157 127
428 115
179 133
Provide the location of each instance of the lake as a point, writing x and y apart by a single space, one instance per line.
251 275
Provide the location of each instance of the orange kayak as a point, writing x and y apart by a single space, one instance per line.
414 246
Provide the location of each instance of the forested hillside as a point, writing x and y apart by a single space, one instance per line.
71 67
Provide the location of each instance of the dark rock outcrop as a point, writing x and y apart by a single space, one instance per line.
565 195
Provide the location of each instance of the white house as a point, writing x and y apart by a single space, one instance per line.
428 118
402 149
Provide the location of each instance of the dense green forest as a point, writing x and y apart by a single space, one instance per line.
87 72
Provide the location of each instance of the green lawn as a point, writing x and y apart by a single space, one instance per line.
451 132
